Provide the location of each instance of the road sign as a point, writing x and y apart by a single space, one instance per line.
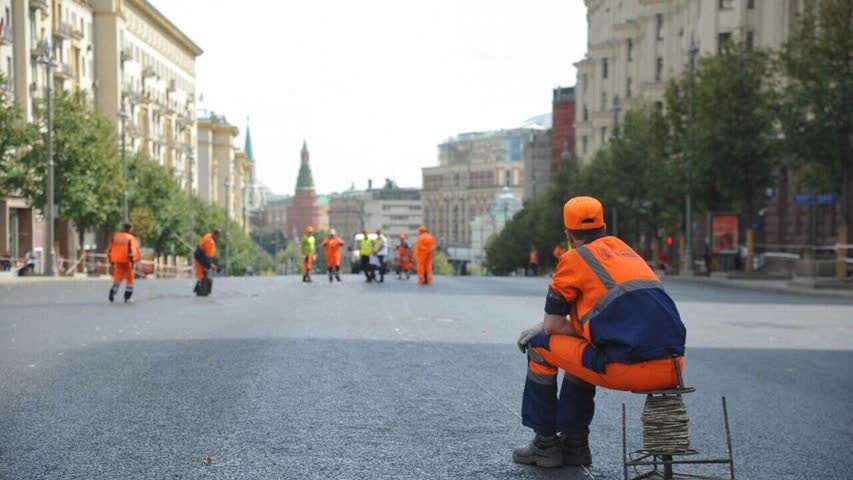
824 199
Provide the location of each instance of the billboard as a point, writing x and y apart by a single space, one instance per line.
724 233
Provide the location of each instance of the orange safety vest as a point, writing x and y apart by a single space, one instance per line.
617 302
559 251
534 257
425 245
333 251
208 245
124 248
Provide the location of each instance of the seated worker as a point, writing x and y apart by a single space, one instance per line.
608 322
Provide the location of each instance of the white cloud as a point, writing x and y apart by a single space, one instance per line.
374 86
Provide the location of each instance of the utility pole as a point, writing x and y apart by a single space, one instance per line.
191 238
692 52
46 59
123 116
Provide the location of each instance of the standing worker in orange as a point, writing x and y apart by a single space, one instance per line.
123 253
406 260
309 250
533 260
332 244
203 255
424 251
608 322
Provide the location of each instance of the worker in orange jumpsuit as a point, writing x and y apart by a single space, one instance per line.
332 244
204 254
533 260
404 252
608 322
123 253
424 251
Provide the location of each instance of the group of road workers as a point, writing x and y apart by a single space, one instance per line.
373 253
608 322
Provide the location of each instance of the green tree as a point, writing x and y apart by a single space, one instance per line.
154 192
16 136
87 174
817 117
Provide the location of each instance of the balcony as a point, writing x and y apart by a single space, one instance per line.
62 30
42 5
126 54
148 72
7 36
63 71
133 95
76 33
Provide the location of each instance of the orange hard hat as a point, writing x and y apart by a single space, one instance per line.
309 229
583 213
422 229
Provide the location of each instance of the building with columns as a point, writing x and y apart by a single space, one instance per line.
224 171
636 47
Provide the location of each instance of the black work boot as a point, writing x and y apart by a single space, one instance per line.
575 447
543 451
127 295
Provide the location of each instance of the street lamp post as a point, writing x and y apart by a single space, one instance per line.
227 221
46 59
123 116
688 201
191 238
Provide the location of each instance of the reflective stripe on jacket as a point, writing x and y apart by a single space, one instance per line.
618 303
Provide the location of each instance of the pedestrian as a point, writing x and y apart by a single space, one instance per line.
332 244
608 322
404 252
204 255
533 260
707 257
123 253
380 249
425 251
366 249
309 251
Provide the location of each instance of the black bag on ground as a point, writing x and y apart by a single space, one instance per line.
205 286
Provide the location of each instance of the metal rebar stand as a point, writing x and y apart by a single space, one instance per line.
662 464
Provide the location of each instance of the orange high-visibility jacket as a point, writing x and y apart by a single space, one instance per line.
333 251
124 248
405 254
559 251
425 246
208 245
617 302
534 257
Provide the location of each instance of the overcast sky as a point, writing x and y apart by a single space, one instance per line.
373 86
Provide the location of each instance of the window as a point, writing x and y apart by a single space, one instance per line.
630 49
722 40
584 144
659 26
603 101
659 69
628 88
750 4
659 106
603 68
585 113
725 4
750 39
603 135
584 81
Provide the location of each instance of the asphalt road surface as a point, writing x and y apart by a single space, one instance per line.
270 378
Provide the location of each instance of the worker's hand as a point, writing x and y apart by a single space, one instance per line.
214 267
528 334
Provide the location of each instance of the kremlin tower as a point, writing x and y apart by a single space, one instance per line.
305 209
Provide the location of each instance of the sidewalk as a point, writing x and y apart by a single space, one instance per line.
9 278
796 285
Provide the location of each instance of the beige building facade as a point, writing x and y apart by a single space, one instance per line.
223 171
473 168
636 47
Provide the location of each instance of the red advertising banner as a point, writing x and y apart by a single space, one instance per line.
724 233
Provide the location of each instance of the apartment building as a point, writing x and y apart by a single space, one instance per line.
224 171
636 47
392 208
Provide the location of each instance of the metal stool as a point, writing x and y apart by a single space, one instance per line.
662 458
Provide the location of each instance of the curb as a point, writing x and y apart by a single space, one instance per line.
783 286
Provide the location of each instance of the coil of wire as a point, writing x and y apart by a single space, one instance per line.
665 423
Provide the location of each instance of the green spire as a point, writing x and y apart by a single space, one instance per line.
248 147
305 181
